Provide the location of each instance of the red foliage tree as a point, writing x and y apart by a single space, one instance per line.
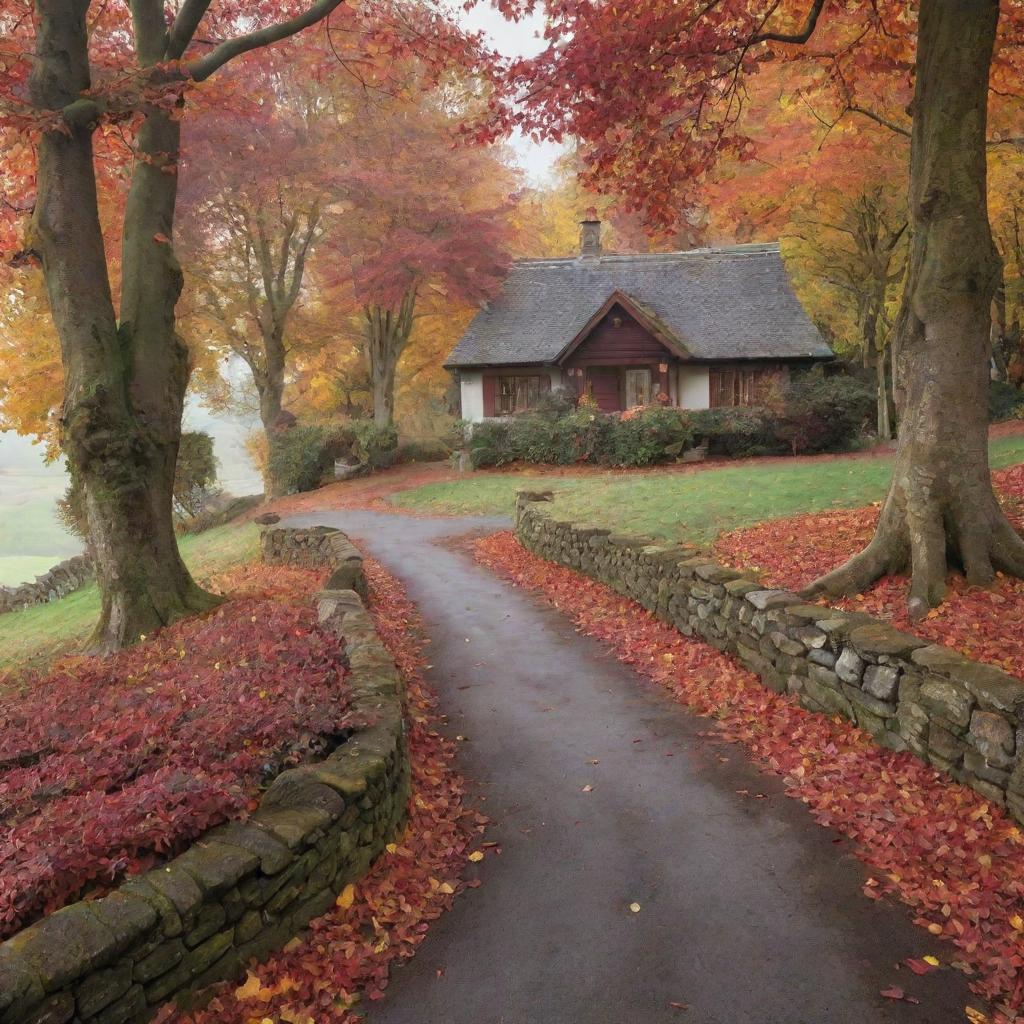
70 72
427 226
655 89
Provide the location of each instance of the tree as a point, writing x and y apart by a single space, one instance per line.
656 91
428 226
97 71
250 230
855 246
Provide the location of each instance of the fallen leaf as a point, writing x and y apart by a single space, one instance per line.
476 856
919 966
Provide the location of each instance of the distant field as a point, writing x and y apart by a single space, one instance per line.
693 506
15 569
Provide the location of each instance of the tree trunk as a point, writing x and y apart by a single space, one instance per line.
874 357
124 385
882 385
270 388
941 508
387 335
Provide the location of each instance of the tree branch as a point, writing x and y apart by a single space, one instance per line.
879 119
184 27
201 69
796 37
150 31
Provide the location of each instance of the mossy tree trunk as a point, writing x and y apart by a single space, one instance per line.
125 382
387 335
941 510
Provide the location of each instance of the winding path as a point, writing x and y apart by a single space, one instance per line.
749 912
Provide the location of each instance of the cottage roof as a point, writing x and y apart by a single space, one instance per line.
722 303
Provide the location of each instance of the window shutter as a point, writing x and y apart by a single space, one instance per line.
490 393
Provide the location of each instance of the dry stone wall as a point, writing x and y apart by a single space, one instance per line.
313 548
64 578
245 888
960 716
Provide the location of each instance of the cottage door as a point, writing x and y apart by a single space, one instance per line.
604 388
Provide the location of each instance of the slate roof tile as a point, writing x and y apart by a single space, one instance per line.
725 303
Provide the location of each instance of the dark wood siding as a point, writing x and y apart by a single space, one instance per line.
618 340
606 388
490 381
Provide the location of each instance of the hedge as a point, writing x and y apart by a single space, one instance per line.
645 438
812 414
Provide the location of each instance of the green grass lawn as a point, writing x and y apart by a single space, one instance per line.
694 507
32 637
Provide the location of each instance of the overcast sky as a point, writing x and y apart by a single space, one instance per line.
517 39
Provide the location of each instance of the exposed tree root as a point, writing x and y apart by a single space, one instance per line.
929 535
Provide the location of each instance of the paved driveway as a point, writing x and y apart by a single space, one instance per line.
749 912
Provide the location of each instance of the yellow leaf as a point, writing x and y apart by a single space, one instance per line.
296 1017
250 989
975 1016
635 907
392 848
346 898
935 929
1017 922
447 888
476 856
933 960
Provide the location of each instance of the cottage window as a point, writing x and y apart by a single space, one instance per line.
519 394
638 388
732 386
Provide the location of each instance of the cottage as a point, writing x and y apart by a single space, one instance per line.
697 330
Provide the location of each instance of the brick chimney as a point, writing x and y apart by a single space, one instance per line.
590 235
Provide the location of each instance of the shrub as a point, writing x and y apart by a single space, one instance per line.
824 414
300 458
648 436
737 432
593 435
195 475
1004 401
490 444
556 404
372 445
422 449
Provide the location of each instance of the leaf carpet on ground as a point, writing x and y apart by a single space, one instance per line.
980 623
107 765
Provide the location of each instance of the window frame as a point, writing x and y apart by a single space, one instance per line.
537 383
